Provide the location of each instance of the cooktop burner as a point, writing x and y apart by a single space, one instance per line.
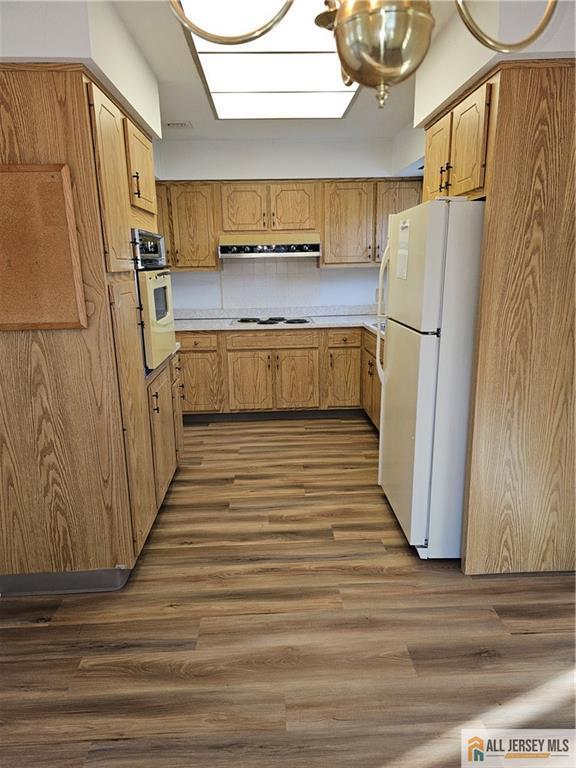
272 320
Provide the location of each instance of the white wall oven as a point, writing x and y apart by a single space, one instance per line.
155 292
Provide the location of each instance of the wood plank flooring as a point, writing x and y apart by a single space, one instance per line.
277 619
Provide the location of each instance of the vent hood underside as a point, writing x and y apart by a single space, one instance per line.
266 245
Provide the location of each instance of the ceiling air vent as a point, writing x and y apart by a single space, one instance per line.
179 124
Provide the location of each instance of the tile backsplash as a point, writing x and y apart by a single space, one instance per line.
273 282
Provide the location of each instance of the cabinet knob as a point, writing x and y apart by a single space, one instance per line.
345 339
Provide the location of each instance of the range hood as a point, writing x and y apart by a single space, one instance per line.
267 245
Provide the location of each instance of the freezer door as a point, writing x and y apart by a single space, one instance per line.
416 269
407 427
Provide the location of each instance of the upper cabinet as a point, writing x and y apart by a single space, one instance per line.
244 207
195 244
456 148
437 158
262 207
110 153
140 157
469 141
393 197
294 206
348 222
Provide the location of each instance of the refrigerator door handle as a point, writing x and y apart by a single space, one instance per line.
380 318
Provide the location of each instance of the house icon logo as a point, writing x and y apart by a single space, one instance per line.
475 750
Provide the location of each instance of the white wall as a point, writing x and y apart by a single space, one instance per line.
408 151
273 283
90 33
456 59
199 159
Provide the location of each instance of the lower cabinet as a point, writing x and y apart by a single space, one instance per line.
371 387
343 378
202 377
250 380
279 370
296 378
163 437
177 398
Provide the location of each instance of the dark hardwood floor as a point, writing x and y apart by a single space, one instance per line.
277 619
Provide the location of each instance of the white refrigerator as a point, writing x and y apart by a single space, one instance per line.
431 274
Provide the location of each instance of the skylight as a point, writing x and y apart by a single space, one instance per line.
292 72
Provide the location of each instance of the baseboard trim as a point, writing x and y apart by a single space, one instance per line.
69 583
207 418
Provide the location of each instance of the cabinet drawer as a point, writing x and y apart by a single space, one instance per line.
272 340
345 337
192 340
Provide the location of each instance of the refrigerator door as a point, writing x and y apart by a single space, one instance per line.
407 426
416 269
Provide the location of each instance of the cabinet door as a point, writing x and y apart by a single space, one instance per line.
163 438
368 365
376 396
296 378
469 139
349 222
244 207
437 159
250 380
194 231
393 197
202 377
164 223
134 405
294 206
110 153
343 377
141 177
177 398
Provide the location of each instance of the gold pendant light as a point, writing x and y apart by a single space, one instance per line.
380 42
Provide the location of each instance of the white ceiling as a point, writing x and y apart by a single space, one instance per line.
182 96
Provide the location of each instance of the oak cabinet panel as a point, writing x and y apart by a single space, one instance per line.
469 140
296 379
140 163
202 377
343 377
194 229
134 406
348 222
250 380
294 206
177 399
110 152
164 223
437 159
163 437
244 207
393 197
371 388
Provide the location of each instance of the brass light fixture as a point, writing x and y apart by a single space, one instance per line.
380 42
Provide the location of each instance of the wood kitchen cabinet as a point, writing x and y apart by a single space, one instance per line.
244 207
163 437
393 197
348 222
164 221
294 206
343 377
111 165
250 380
457 147
296 378
195 239
177 400
140 165
203 374
134 405
370 381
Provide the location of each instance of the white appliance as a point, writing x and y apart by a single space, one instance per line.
432 270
